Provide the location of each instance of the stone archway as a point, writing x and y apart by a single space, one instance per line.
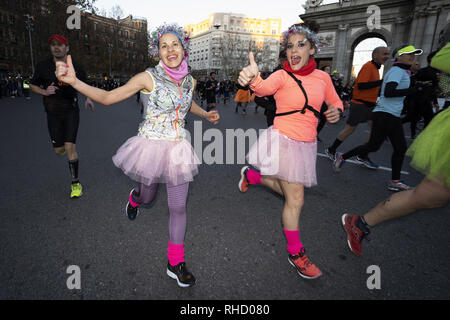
362 35
351 37
343 24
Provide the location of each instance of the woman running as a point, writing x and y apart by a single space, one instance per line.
243 96
299 90
159 153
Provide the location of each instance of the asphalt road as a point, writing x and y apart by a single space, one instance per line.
234 243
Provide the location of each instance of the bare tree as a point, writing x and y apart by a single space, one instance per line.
233 50
229 49
102 12
116 12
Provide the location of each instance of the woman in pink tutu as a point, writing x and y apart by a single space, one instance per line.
285 154
159 153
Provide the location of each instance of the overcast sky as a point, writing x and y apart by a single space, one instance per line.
186 12
194 11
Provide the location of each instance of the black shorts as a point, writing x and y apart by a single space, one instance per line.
359 113
63 127
211 99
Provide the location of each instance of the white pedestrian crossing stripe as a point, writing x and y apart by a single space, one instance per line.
354 162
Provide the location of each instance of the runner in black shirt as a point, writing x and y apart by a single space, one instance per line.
61 105
210 91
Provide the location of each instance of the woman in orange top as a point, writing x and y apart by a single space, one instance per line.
286 153
243 96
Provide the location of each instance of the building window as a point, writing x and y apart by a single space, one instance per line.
12 36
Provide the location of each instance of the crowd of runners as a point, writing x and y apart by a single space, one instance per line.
298 99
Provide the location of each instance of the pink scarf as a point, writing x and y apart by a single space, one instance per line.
177 75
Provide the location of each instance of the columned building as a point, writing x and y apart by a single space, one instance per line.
343 25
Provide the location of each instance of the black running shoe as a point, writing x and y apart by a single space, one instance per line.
330 154
131 211
180 273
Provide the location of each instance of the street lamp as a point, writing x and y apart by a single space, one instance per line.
29 26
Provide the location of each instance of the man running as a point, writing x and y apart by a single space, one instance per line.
61 106
365 95
387 122
210 91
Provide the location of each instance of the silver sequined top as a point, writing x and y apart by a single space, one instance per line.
166 106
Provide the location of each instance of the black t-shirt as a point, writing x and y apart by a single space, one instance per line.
65 98
429 75
337 85
201 86
209 84
227 87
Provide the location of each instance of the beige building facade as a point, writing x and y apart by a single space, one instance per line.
222 43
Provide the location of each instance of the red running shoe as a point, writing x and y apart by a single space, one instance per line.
304 267
243 183
354 234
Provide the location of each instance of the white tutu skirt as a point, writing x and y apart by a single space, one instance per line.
157 161
276 155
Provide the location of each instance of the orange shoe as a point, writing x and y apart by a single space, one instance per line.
304 267
243 183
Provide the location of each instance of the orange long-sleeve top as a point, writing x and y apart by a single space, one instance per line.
289 97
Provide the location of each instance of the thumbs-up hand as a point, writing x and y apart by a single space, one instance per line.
65 72
249 73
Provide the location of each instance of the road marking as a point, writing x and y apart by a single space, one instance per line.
354 162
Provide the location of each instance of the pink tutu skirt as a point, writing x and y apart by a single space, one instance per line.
274 154
157 161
